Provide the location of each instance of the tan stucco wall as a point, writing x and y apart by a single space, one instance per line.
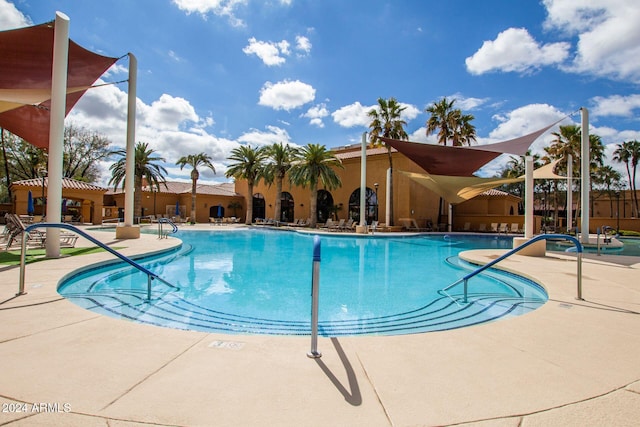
91 201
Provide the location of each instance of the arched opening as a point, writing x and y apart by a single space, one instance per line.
325 204
216 211
258 206
371 205
287 205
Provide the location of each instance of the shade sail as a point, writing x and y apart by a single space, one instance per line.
26 59
457 189
547 171
462 161
443 160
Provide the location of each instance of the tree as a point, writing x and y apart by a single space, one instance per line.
278 163
314 164
386 121
83 149
450 123
515 168
146 168
629 153
249 163
195 161
608 180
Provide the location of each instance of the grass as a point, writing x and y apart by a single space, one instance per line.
35 255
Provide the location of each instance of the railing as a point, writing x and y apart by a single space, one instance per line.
161 233
150 275
110 221
466 278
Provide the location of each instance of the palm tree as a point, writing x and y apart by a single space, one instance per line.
629 153
450 123
249 163
195 160
515 168
608 181
313 164
145 168
386 122
276 168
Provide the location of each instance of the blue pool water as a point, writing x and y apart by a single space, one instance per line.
259 281
631 247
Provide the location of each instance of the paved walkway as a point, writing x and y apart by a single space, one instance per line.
569 363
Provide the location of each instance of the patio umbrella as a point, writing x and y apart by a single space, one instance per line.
219 211
177 208
29 203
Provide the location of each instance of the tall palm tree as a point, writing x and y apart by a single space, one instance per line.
608 181
629 153
195 161
249 163
277 165
450 123
314 164
146 168
386 121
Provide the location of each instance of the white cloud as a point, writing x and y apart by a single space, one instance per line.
615 105
303 45
286 95
224 8
269 52
515 50
316 114
352 115
272 135
465 104
11 18
608 35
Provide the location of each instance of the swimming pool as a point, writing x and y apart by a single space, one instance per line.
259 282
631 247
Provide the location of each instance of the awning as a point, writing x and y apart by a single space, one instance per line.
26 59
462 161
457 189
547 171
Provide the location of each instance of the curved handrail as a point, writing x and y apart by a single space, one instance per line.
479 270
150 275
166 221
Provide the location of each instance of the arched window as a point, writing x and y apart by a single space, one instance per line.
371 205
325 204
287 205
216 211
258 207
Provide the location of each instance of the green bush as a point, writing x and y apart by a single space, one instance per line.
629 233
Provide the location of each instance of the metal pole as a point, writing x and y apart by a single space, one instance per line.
465 300
148 288
315 290
569 192
579 297
23 254
528 198
598 239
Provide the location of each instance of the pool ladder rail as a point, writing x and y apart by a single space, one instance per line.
150 275
161 233
465 279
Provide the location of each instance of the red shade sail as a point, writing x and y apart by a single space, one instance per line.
26 59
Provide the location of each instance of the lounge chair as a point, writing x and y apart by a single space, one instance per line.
494 227
348 226
328 224
515 228
467 226
410 224
482 228
35 237
503 228
338 226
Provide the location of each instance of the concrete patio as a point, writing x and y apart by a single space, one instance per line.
569 363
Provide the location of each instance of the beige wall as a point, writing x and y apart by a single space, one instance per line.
91 201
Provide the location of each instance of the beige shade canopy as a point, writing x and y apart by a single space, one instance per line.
457 189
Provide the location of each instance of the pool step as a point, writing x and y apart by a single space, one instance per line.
169 311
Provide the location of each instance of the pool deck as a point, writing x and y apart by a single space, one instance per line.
569 363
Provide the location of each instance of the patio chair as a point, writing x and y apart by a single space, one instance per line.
482 228
347 226
467 226
515 228
494 227
338 226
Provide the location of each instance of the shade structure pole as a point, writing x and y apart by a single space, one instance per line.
584 177
387 199
528 197
56 130
131 137
569 192
363 180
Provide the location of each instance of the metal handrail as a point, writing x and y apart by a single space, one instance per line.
150 275
161 221
466 278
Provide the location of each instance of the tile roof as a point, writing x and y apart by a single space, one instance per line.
174 187
67 183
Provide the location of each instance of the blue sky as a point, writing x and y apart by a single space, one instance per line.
213 74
